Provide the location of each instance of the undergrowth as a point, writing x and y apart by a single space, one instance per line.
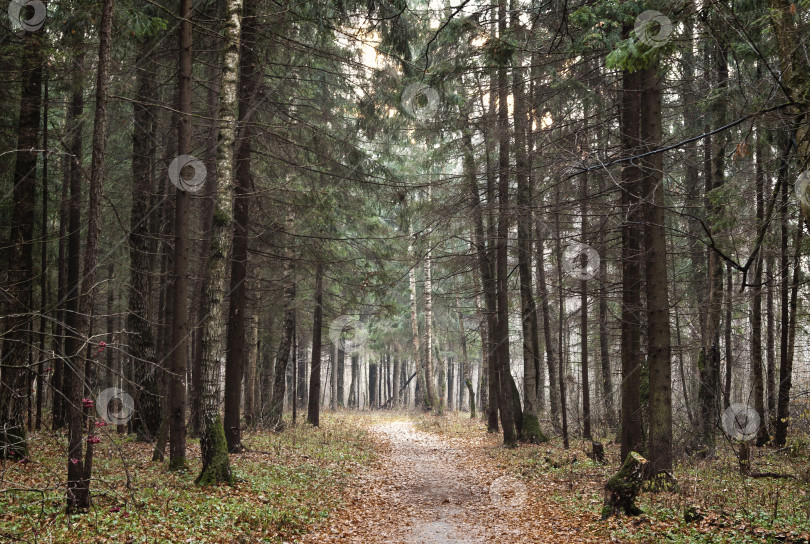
284 484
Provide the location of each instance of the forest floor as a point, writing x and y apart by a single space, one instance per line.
373 477
444 480
286 483
428 488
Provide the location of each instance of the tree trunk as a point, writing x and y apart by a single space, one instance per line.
505 405
489 394
301 368
373 383
72 343
583 323
332 378
43 260
268 362
57 378
431 400
769 410
728 341
604 353
354 386
148 410
658 327
17 322
621 490
542 288
241 219
276 407
80 467
417 352
251 377
206 210
396 383
180 329
561 373
795 78
341 375
313 410
531 347
786 372
214 444
714 168
756 302
631 268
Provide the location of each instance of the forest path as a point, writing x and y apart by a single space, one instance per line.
431 489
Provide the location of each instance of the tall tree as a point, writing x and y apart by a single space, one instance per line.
524 204
213 443
631 266
149 413
431 400
79 465
756 300
314 405
505 406
179 327
235 351
17 321
656 284
583 322
276 406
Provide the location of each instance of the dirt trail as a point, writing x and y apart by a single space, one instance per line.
429 489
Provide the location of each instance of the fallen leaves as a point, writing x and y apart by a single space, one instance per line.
437 489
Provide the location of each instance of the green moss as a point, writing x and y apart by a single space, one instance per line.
216 463
662 482
532 431
221 218
471 391
177 465
623 487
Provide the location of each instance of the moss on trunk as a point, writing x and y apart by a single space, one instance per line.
216 464
531 429
471 391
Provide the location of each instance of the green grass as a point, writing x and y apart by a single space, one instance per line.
286 483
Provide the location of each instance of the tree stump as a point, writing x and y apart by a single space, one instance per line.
744 458
597 452
622 489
